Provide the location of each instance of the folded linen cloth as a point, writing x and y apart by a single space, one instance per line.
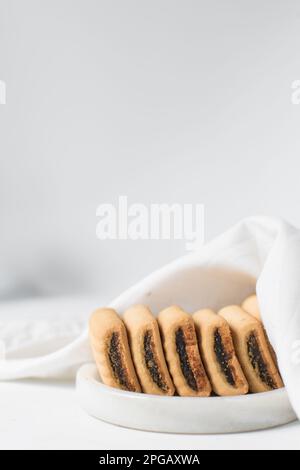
224 271
35 334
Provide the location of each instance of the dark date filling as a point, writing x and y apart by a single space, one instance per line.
115 358
151 362
184 360
257 361
223 357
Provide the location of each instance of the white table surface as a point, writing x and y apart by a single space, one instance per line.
46 415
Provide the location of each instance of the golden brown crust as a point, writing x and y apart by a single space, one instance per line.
182 352
252 350
251 306
218 354
147 351
111 351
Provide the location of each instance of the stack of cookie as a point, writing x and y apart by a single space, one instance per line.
199 355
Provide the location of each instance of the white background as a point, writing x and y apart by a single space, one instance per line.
163 101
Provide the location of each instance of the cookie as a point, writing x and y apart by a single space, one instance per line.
181 349
218 354
252 350
111 351
147 351
250 305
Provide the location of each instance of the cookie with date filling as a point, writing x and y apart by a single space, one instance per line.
252 349
218 354
109 342
250 305
182 353
147 351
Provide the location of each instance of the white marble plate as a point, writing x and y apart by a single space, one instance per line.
181 414
193 282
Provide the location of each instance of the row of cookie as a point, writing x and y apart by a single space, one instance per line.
226 353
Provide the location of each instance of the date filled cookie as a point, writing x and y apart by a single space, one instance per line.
147 351
250 305
252 350
218 354
111 351
181 349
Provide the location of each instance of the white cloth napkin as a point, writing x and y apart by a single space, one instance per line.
36 334
264 247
